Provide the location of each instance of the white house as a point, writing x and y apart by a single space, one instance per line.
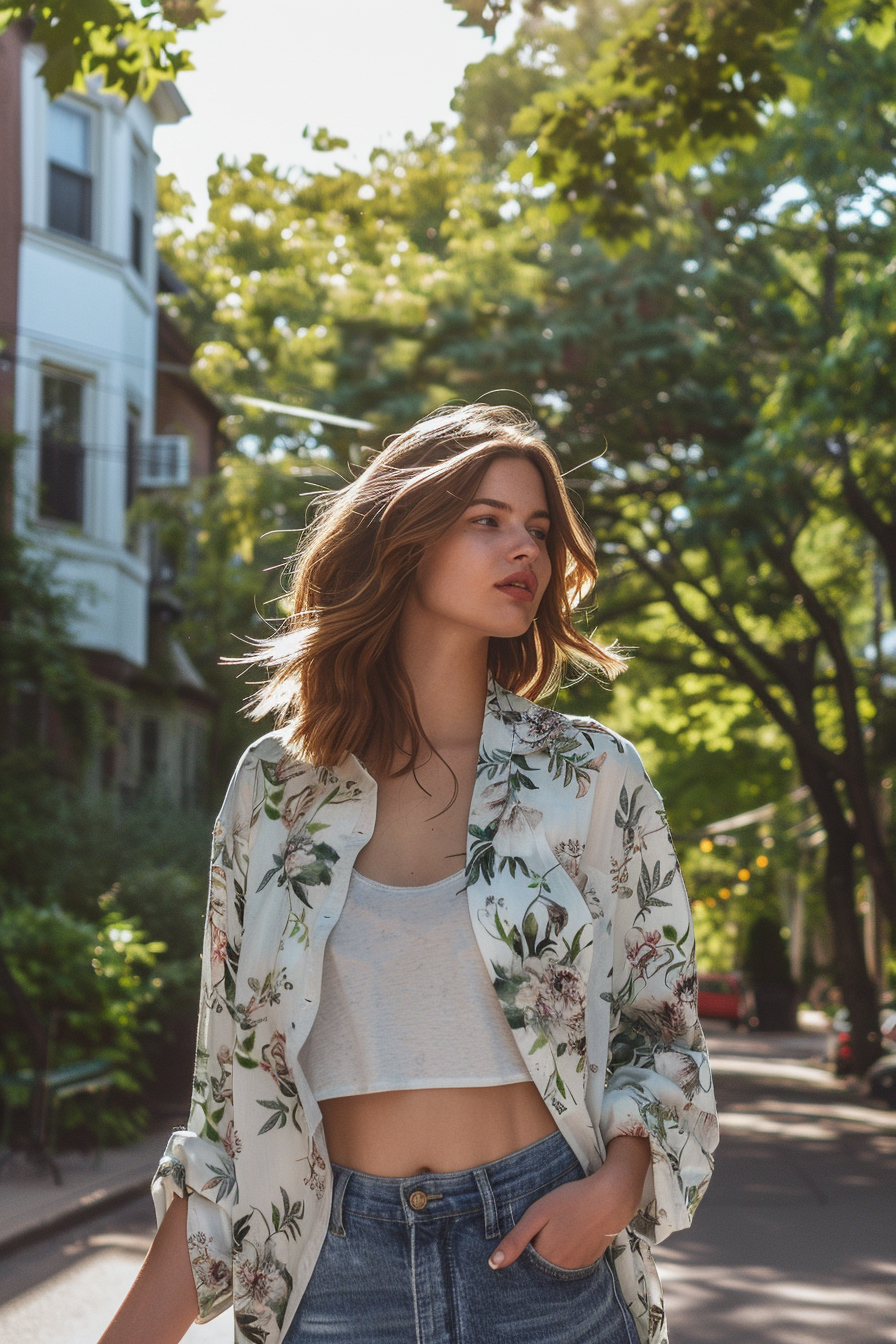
85 344
79 377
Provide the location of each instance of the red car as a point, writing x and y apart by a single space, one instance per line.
720 997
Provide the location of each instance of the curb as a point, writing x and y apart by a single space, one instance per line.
86 1207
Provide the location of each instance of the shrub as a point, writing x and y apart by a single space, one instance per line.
94 980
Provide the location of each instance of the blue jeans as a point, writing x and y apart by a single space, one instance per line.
398 1268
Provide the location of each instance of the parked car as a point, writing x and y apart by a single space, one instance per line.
721 997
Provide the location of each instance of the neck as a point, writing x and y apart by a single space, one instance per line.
447 667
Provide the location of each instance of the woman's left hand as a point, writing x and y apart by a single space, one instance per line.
572 1225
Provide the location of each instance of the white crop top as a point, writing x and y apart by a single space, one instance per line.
406 1001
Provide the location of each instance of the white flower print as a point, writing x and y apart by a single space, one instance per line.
679 1068
514 834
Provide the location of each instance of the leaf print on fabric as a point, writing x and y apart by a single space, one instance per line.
248 1015
222 1181
170 1169
302 863
231 1141
570 758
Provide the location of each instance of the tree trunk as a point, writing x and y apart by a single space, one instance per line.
859 993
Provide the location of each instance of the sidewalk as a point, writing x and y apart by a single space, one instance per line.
32 1205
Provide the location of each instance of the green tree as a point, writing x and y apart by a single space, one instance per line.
692 382
131 47
738 359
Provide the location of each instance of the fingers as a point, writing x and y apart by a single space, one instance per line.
512 1246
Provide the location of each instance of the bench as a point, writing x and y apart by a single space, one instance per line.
39 1094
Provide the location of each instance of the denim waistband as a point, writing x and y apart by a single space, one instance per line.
449 1194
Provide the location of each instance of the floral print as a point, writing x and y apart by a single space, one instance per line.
580 913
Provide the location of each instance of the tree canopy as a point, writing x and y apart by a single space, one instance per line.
713 368
131 48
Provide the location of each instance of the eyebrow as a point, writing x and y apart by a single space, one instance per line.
505 508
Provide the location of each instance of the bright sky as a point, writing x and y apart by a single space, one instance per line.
368 70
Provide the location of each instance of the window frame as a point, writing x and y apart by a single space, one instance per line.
58 449
87 178
138 210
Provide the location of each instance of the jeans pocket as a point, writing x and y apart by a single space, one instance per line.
560 1271
537 1261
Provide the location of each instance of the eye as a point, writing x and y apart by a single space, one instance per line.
539 533
486 518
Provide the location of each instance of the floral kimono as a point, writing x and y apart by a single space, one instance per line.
579 910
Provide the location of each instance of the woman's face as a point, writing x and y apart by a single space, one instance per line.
490 569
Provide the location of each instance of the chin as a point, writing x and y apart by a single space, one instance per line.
515 631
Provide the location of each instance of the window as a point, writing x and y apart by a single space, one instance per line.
138 205
62 449
132 450
71 182
164 461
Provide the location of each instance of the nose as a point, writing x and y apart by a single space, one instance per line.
523 546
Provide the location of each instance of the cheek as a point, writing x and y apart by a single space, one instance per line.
446 565
454 556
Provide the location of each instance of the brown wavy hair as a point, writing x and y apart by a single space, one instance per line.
335 678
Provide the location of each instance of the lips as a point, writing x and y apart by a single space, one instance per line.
521 586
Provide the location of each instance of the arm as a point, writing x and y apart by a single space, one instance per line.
199 1159
161 1305
187 1273
658 1119
658 1080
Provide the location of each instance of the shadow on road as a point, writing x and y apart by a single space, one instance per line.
795 1242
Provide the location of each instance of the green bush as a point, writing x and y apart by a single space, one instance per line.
95 981
156 858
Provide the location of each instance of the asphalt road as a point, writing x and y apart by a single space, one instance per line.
795 1242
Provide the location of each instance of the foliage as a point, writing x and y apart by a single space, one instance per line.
719 393
156 861
38 664
131 48
94 978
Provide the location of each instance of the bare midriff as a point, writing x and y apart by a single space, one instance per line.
433 1128
420 837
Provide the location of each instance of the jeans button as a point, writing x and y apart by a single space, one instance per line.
417 1199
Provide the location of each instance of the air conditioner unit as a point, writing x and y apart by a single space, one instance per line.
164 461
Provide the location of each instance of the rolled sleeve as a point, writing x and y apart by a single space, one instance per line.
198 1162
659 1085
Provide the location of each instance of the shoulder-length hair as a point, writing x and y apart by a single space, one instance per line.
335 680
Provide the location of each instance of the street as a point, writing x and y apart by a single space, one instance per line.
795 1243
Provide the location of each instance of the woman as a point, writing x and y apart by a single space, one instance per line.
465 1110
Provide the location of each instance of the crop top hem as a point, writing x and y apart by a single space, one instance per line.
418 1084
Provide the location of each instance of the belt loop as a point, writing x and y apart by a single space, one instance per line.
339 1185
489 1207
